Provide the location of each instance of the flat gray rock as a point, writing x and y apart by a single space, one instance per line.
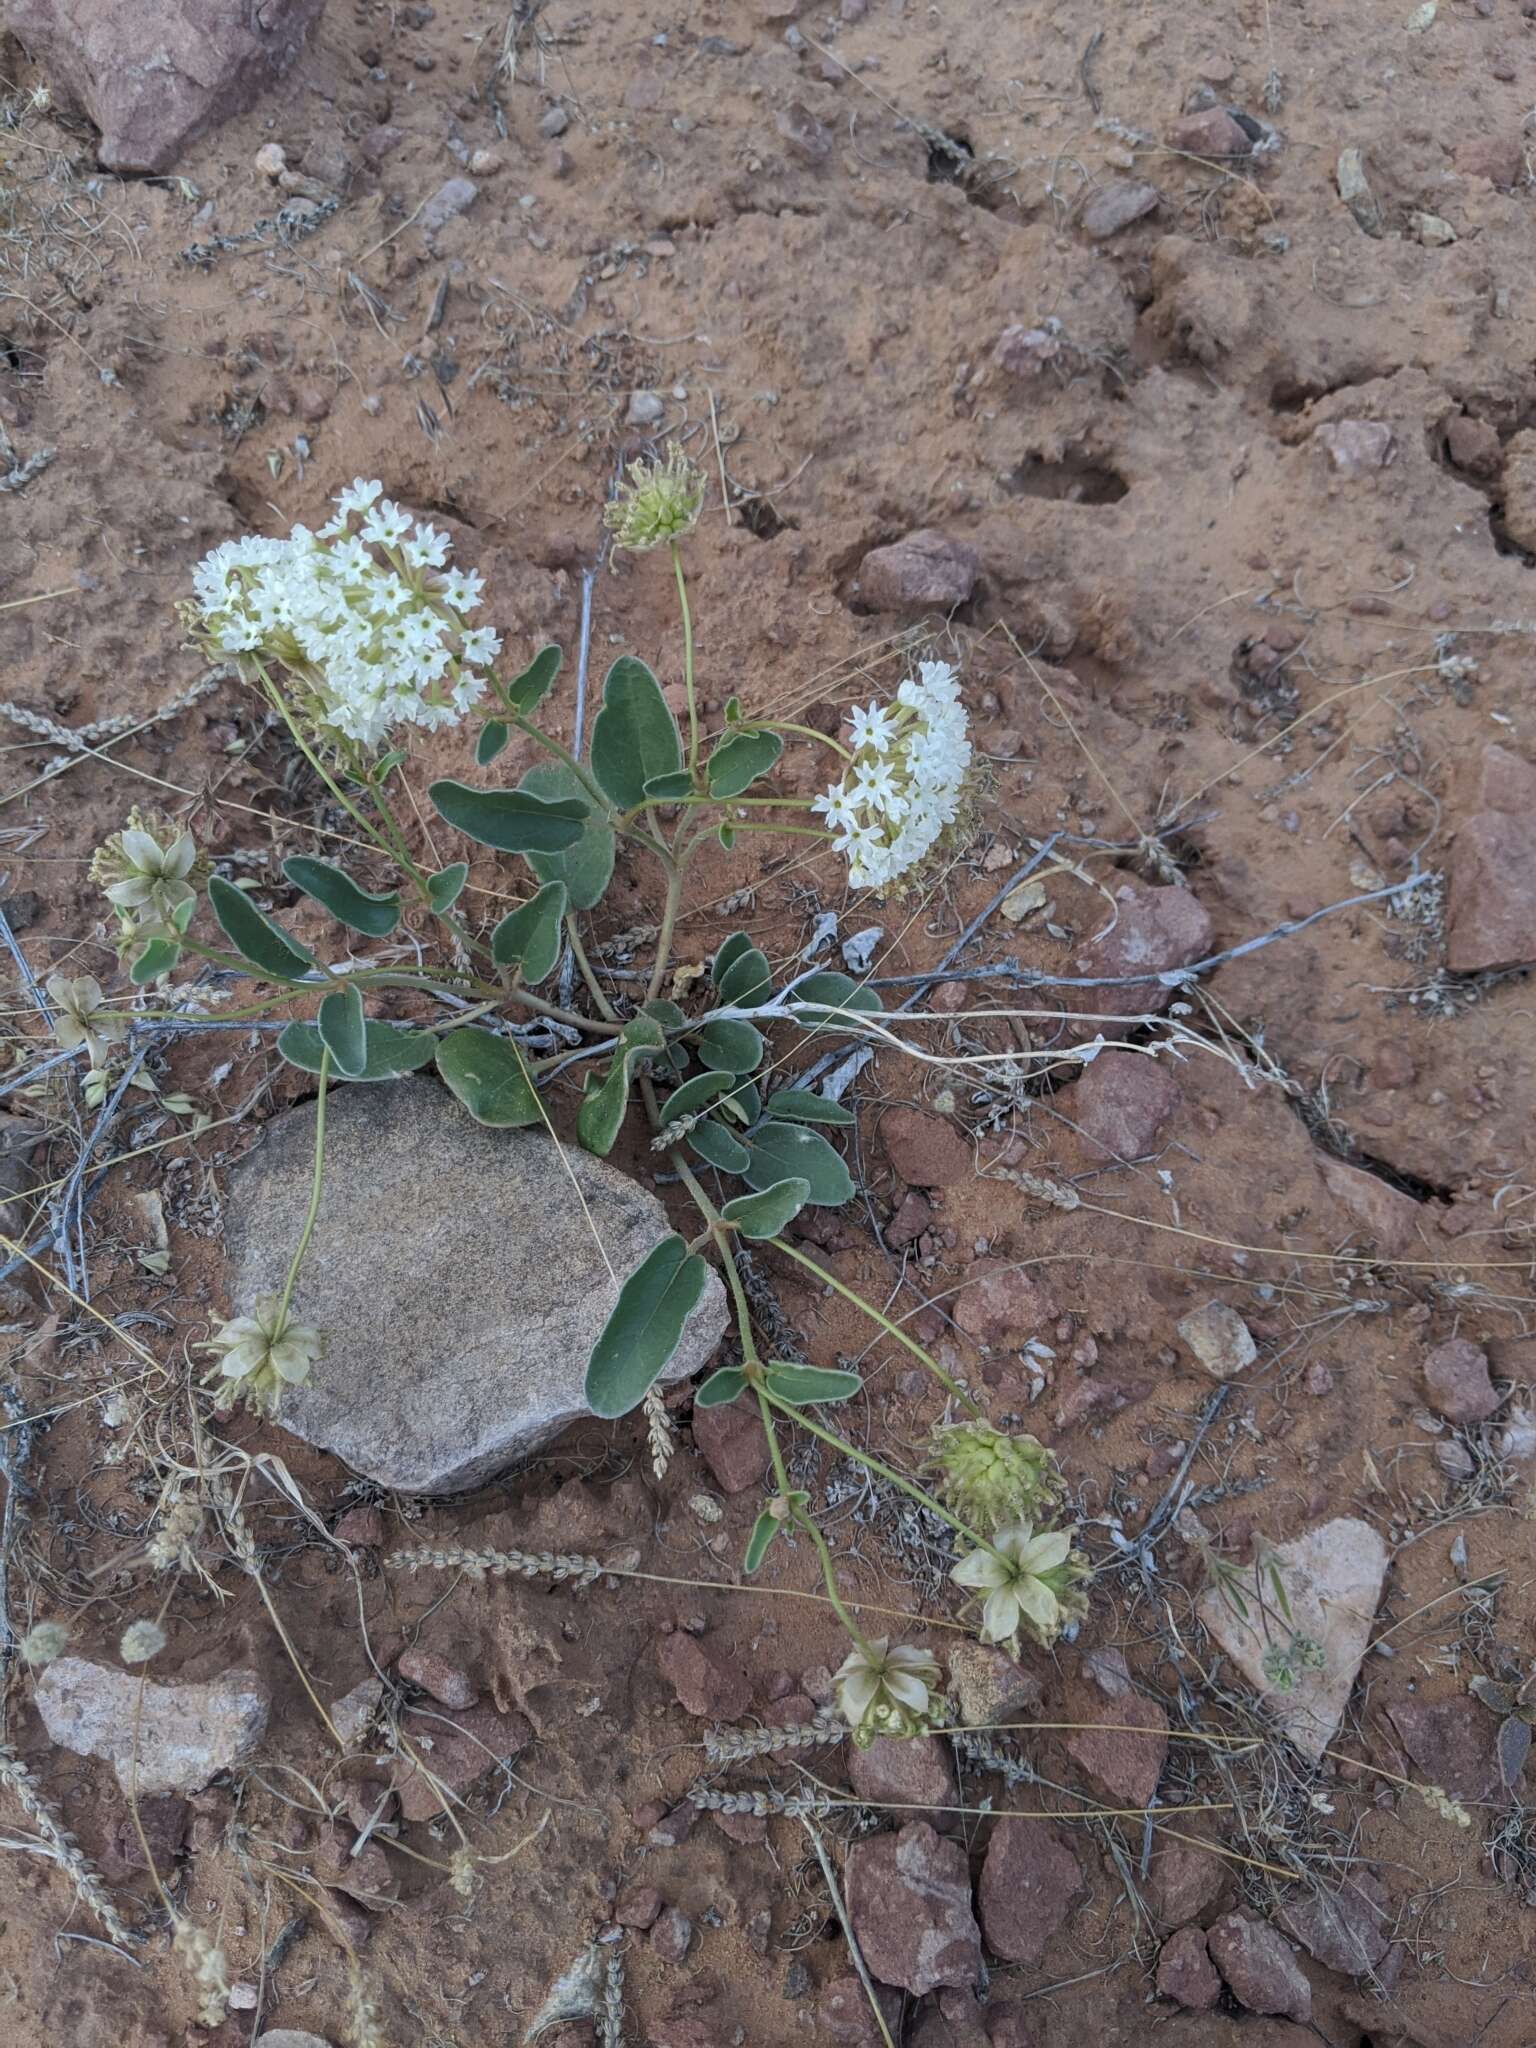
459 1280
1333 1578
167 1738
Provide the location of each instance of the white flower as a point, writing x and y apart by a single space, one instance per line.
1026 1580
881 1691
265 1352
904 782
84 1018
362 616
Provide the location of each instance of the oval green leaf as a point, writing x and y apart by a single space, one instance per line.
800 1106
668 789
393 1049
525 693
731 1046
801 1383
830 987
335 891
789 1151
344 1031
741 757
587 867
764 1529
743 1104
634 736
529 937
602 1108
645 1327
446 886
765 1214
490 1077
720 1388
748 981
730 952
715 1144
511 820
158 957
493 737
695 1095
253 934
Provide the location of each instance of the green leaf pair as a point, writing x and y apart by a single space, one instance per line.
800 1385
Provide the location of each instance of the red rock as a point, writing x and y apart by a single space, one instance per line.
948 997
750 1829
909 1899
1000 1304
1491 921
1389 1221
1008 2027
672 1935
843 2014
1505 781
445 1682
363 1874
1456 1382
164 1821
1029 1881
1183 1881
463 1749
990 1688
1355 447
361 1528
1452 1745
915 1215
673 1825
1122 1103
1116 206
1185 1972
1498 158
1260 1966
638 1907
706 1683
1473 446
152 74
927 571
1087 1398
926 1151
1211 134
1155 931
1125 1767
1026 352
809 139
732 1443
1348 1930
913 1774
1393 1067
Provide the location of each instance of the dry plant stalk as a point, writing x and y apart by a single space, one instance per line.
90 1888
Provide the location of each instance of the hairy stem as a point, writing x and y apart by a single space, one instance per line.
687 615
314 1191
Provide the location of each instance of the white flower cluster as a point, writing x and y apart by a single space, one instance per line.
365 615
903 784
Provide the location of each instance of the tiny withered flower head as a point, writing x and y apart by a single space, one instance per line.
660 503
149 869
44 1641
991 1478
83 1016
263 1352
1028 1579
885 1691
141 1641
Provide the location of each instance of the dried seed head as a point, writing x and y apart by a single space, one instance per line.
141 1641
44 1641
